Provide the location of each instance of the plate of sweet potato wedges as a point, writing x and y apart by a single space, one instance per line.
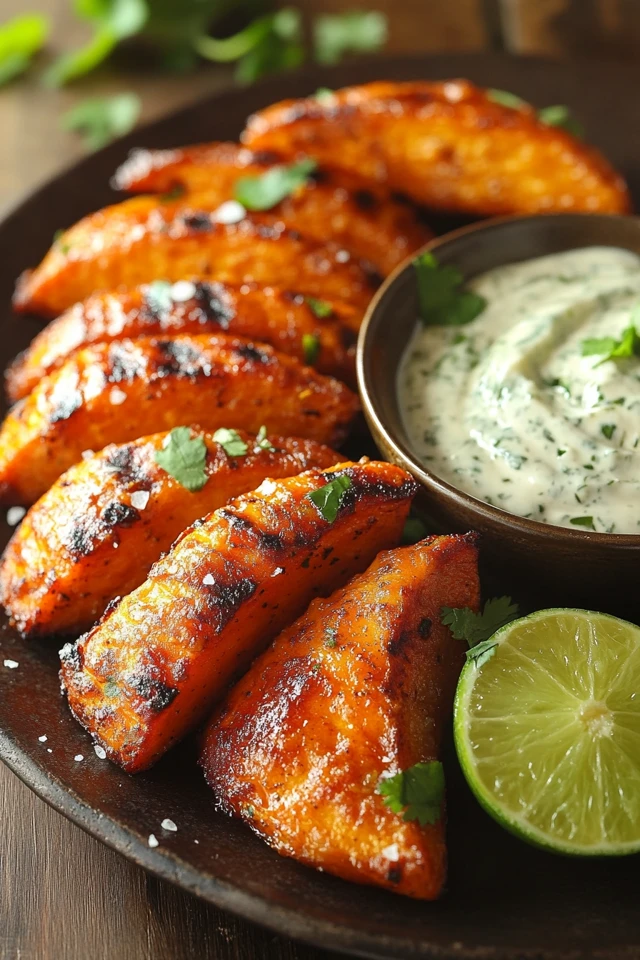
221 649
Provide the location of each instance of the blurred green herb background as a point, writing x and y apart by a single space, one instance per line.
176 36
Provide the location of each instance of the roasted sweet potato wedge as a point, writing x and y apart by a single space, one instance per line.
446 145
104 254
158 661
359 688
285 320
96 533
333 205
116 392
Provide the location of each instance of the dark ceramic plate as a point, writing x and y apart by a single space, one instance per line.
505 900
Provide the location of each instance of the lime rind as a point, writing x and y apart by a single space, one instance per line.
609 659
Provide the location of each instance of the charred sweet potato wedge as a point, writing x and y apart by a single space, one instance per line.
104 252
96 533
158 661
286 320
358 689
446 145
116 392
333 205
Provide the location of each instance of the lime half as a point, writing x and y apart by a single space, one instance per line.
547 729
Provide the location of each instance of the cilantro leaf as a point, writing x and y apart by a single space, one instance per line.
268 44
586 522
417 792
324 93
356 31
268 189
607 430
184 458
506 99
231 442
158 296
440 297
611 349
103 119
560 115
263 442
20 38
320 308
310 347
477 627
557 115
328 499
114 20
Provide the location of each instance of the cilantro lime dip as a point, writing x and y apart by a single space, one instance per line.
534 405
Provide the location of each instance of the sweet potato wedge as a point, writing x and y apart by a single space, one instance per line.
60 569
277 317
446 145
158 661
359 688
116 392
333 205
104 254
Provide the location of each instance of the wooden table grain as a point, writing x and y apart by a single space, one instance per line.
63 895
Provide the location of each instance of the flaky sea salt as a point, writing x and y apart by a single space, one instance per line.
139 499
391 852
152 841
78 758
87 454
168 825
15 515
117 396
208 580
182 290
342 256
43 738
101 753
11 664
229 212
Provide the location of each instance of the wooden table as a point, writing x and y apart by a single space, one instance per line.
62 894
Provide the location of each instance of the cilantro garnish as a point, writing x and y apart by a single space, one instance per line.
158 296
320 308
478 628
231 442
441 299
263 442
184 458
310 347
101 119
20 38
324 93
355 31
608 430
612 349
586 522
417 792
268 189
328 499
557 115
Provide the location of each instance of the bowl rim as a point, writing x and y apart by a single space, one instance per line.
405 456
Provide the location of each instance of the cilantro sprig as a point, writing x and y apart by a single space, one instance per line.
184 458
263 442
310 348
417 792
478 628
612 348
320 308
266 190
556 115
101 119
21 38
442 300
231 442
328 499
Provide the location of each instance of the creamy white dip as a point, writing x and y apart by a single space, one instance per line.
507 407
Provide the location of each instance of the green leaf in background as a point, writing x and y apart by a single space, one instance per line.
20 38
102 119
560 116
506 99
267 190
114 20
268 44
356 31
